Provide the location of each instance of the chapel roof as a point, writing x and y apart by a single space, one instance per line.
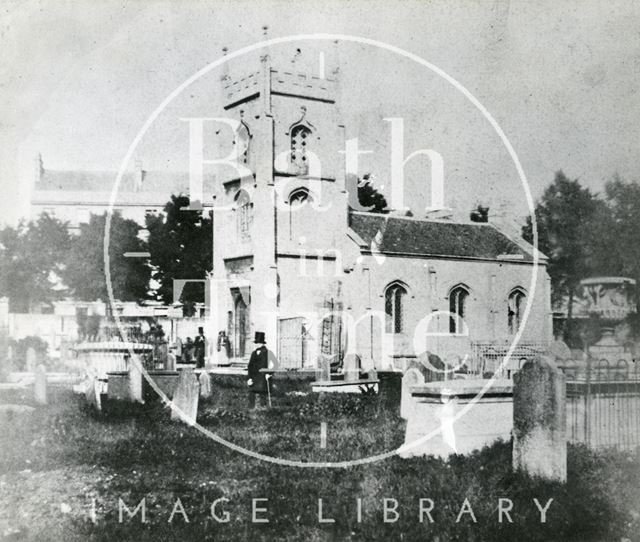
166 182
437 238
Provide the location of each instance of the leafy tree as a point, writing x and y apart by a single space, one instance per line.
623 242
480 214
602 238
369 196
180 243
31 262
565 214
363 196
84 272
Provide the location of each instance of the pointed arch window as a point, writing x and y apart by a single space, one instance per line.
242 141
300 138
244 214
394 300
515 309
457 308
299 197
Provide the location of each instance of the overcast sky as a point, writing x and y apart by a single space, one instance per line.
78 79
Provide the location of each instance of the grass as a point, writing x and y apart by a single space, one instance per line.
55 461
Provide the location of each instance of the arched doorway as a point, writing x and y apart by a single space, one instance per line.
241 330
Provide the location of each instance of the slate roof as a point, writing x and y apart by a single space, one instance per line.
436 238
66 187
165 182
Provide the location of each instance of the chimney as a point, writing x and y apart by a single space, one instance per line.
138 175
39 168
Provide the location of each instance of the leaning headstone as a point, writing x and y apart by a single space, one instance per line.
185 399
436 368
558 351
135 381
32 358
413 377
40 385
539 420
205 385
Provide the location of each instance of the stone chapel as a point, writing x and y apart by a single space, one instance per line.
292 259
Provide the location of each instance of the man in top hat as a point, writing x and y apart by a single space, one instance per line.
200 348
261 358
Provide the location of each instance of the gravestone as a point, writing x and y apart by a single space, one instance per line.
413 377
185 399
539 420
135 380
93 393
170 364
558 351
40 385
32 359
351 367
64 352
205 385
324 368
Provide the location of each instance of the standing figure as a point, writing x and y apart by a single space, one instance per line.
200 348
223 348
261 358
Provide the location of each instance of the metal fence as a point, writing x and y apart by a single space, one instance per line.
603 403
489 357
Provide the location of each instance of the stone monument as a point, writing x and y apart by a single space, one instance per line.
40 385
32 358
412 377
205 385
135 380
185 399
351 367
539 420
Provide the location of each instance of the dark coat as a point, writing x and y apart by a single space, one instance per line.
259 360
200 348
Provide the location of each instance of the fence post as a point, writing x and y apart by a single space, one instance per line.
587 401
539 420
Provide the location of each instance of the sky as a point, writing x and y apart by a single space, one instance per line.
78 80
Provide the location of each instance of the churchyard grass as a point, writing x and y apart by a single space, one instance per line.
58 460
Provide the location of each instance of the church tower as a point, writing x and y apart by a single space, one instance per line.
288 203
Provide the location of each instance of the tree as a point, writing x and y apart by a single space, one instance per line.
84 272
623 242
604 257
31 262
565 214
363 196
480 214
180 243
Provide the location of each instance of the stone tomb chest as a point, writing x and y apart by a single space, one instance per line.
462 417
